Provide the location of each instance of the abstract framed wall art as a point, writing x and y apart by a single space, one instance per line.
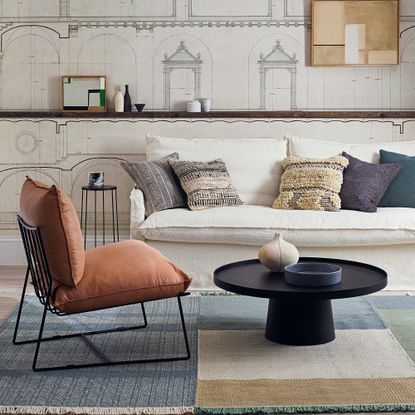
355 32
84 93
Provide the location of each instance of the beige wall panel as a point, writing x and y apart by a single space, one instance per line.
328 55
380 18
329 21
382 57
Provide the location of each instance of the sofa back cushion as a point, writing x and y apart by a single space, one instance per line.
50 209
254 165
368 152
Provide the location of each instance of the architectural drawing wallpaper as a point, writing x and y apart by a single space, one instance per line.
170 51
243 54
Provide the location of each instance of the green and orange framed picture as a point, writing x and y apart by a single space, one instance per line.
355 32
84 93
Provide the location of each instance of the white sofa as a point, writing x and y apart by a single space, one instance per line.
201 241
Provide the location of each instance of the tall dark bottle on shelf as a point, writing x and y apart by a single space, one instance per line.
127 100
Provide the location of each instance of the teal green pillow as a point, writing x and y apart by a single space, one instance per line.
401 192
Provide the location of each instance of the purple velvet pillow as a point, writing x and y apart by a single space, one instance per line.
364 184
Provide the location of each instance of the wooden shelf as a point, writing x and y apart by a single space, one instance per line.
211 115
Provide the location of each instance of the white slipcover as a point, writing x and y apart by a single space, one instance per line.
256 225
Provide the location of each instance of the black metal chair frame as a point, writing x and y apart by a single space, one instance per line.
38 268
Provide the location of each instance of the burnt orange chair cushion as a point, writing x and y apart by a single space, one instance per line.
51 210
122 273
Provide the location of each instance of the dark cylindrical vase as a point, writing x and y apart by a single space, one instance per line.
127 100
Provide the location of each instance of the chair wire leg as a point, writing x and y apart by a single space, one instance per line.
106 360
19 313
186 339
144 314
39 339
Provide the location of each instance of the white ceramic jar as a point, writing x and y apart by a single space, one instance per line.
194 106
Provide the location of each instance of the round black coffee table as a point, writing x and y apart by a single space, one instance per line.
299 315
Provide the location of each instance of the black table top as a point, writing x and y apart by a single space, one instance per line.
254 279
103 188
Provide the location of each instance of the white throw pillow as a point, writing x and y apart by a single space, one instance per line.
369 152
254 164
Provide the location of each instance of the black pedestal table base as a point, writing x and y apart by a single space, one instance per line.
300 322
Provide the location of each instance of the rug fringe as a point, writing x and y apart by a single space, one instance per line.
311 410
56 410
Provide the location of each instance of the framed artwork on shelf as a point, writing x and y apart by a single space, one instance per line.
84 93
355 32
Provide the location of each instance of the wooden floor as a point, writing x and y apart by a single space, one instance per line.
11 282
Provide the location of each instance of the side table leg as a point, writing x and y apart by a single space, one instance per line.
86 219
95 219
113 216
300 322
103 218
116 215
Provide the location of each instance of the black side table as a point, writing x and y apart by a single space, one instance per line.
114 211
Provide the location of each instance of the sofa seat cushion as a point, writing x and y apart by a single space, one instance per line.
256 225
122 273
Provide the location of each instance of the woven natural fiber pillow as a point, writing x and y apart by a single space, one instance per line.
207 184
311 184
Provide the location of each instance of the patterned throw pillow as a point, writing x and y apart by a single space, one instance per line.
311 184
159 184
207 184
364 184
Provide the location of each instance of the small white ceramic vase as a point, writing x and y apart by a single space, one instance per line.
277 254
206 104
119 101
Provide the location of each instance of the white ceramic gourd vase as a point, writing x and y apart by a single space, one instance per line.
277 254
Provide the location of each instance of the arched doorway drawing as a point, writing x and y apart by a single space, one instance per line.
277 59
35 51
181 88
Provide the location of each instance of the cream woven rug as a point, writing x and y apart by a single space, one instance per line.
241 372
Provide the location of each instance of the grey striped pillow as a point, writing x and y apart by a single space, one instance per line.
157 181
207 184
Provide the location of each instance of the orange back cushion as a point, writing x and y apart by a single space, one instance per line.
51 210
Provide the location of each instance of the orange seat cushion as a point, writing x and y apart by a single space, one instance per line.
51 210
122 273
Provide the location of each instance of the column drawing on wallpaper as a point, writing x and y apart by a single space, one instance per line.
277 60
64 8
182 76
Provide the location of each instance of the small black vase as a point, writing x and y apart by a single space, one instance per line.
127 100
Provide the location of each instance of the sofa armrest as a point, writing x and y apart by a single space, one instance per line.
138 212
